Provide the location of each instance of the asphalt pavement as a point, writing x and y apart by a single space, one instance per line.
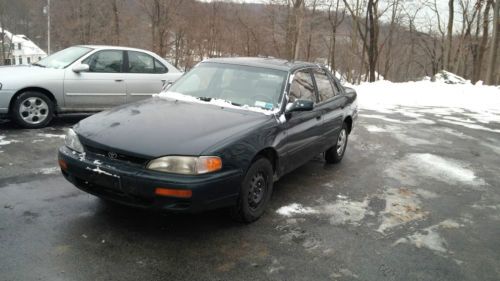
415 198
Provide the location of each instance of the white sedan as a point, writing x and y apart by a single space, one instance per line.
81 79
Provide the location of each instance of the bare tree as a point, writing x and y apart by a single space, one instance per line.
494 45
451 14
335 21
116 21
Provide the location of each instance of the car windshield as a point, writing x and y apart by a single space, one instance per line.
236 84
63 58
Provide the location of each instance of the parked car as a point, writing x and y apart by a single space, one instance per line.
219 136
81 79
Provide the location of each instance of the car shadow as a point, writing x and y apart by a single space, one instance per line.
57 122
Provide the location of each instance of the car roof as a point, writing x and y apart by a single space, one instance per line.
273 63
107 47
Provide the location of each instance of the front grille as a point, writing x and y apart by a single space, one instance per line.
115 155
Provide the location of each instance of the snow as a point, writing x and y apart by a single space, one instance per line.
342 211
99 171
3 141
449 78
295 209
52 136
478 102
429 237
416 167
217 102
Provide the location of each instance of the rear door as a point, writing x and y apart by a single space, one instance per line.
145 75
101 87
303 128
331 102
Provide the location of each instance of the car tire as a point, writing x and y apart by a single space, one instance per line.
336 153
255 193
32 110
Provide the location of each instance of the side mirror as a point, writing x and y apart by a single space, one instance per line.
81 68
349 90
299 105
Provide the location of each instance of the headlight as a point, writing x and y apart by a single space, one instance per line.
71 140
186 165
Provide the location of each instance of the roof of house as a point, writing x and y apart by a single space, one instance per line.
28 47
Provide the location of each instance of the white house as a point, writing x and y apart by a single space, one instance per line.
19 49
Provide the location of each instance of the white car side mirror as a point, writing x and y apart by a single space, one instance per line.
81 68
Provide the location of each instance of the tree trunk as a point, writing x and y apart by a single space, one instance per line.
449 34
492 65
116 21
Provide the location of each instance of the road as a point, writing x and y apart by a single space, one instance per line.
416 198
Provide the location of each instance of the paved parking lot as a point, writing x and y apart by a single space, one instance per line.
416 198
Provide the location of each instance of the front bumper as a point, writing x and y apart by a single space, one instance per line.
133 185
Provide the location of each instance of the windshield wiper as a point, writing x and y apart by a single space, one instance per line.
207 99
234 103
37 64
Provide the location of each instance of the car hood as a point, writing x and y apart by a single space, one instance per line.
160 126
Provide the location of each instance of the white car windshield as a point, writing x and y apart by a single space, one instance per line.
236 84
63 58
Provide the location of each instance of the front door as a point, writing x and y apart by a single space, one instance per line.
101 87
303 128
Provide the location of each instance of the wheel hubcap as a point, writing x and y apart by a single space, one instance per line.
257 190
34 110
341 142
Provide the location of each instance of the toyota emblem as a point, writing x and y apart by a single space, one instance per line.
112 155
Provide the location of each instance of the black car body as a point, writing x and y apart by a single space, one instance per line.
118 144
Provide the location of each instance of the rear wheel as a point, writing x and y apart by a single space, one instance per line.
32 110
255 192
336 153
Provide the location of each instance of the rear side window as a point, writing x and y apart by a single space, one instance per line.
159 67
302 87
109 61
139 62
325 87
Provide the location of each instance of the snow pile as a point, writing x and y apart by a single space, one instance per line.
449 78
386 97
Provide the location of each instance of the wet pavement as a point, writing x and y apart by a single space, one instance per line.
417 197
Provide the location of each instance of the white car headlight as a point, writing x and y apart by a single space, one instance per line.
186 165
71 140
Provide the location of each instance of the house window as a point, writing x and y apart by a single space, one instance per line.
20 60
19 46
29 60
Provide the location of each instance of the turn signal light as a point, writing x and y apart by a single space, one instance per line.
179 193
63 165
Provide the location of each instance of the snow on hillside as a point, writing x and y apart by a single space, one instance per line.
478 103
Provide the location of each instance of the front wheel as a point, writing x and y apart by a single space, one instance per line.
32 110
255 192
336 153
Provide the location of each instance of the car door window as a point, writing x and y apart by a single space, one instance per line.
326 89
109 61
302 87
159 67
140 63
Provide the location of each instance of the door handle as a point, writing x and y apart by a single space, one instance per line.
318 117
118 80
